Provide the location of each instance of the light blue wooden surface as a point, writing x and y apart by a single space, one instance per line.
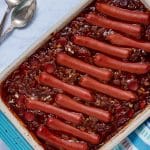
49 12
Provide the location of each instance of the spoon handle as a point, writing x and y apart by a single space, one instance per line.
4 20
6 33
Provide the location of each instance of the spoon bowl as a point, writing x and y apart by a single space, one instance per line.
21 16
23 13
13 3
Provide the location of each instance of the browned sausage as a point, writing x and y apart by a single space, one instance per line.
49 80
107 89
63 127
37 105
121 40
124 14
68 61
58 142
68 103
105 61
101 46
129 29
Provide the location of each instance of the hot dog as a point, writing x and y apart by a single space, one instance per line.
105 61
101 46
68 61
121 40
37 105
58 142
68 103
107 89
49 80
129 29
124 14
60 126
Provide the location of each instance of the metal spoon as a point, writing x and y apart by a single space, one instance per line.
11 4
21 16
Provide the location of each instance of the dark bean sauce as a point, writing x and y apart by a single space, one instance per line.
23 82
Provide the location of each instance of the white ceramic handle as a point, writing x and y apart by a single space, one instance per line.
146 3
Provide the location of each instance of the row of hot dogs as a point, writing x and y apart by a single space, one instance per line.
88 83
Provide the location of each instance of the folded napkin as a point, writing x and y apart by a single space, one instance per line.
49 12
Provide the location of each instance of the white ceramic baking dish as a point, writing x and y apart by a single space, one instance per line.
124 132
